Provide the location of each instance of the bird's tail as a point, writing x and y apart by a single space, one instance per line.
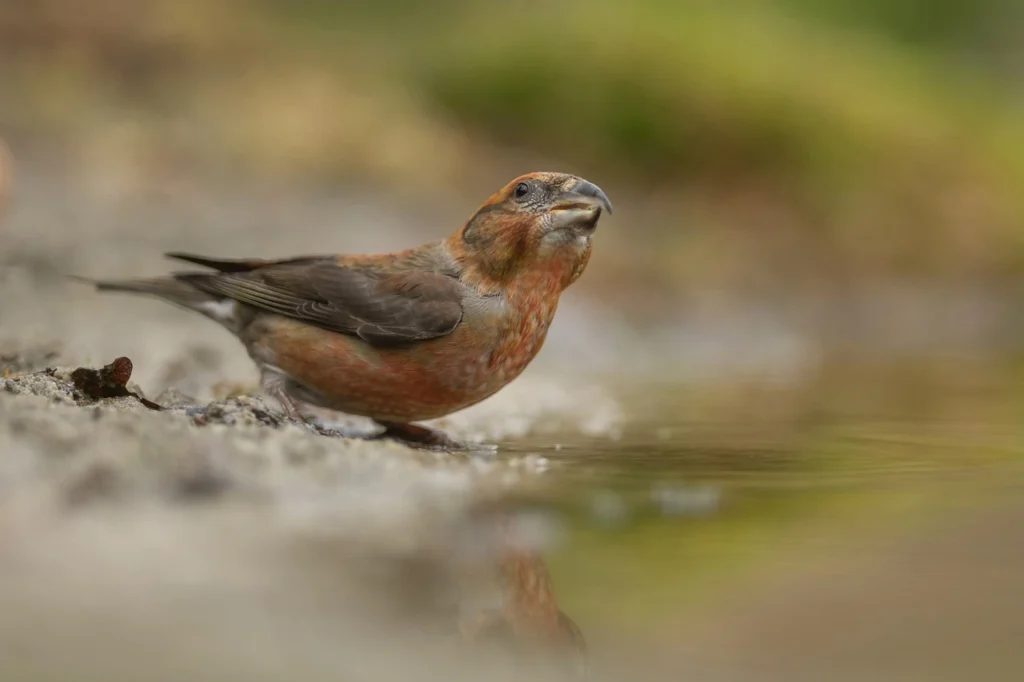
169 288
173 290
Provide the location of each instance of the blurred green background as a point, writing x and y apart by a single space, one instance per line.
758 146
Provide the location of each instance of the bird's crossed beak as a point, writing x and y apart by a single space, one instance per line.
579 206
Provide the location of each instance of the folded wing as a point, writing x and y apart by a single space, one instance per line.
380 307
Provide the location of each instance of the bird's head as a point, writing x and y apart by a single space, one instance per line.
537 223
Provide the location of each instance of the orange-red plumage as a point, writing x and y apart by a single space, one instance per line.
412 335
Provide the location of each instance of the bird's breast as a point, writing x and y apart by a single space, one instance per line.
505 334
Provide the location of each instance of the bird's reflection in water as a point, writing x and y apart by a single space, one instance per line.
508 604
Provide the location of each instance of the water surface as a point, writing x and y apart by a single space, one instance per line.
761 532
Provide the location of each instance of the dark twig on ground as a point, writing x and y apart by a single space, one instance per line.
108 382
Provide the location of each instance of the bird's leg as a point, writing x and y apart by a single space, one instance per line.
291 410
290 407
274 384
418 436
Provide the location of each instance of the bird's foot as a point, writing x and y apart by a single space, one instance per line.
295 415
426 438
290 407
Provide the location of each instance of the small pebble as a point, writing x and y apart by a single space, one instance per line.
535 462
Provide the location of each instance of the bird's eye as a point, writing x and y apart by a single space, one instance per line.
521 190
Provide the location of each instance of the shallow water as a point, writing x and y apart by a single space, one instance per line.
871 520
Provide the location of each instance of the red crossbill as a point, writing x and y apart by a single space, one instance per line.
406 336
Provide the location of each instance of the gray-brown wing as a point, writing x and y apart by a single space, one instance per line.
378 307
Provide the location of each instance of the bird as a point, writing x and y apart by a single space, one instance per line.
407 336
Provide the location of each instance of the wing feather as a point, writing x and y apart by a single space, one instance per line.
378 306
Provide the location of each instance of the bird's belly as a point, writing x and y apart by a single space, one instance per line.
425 381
